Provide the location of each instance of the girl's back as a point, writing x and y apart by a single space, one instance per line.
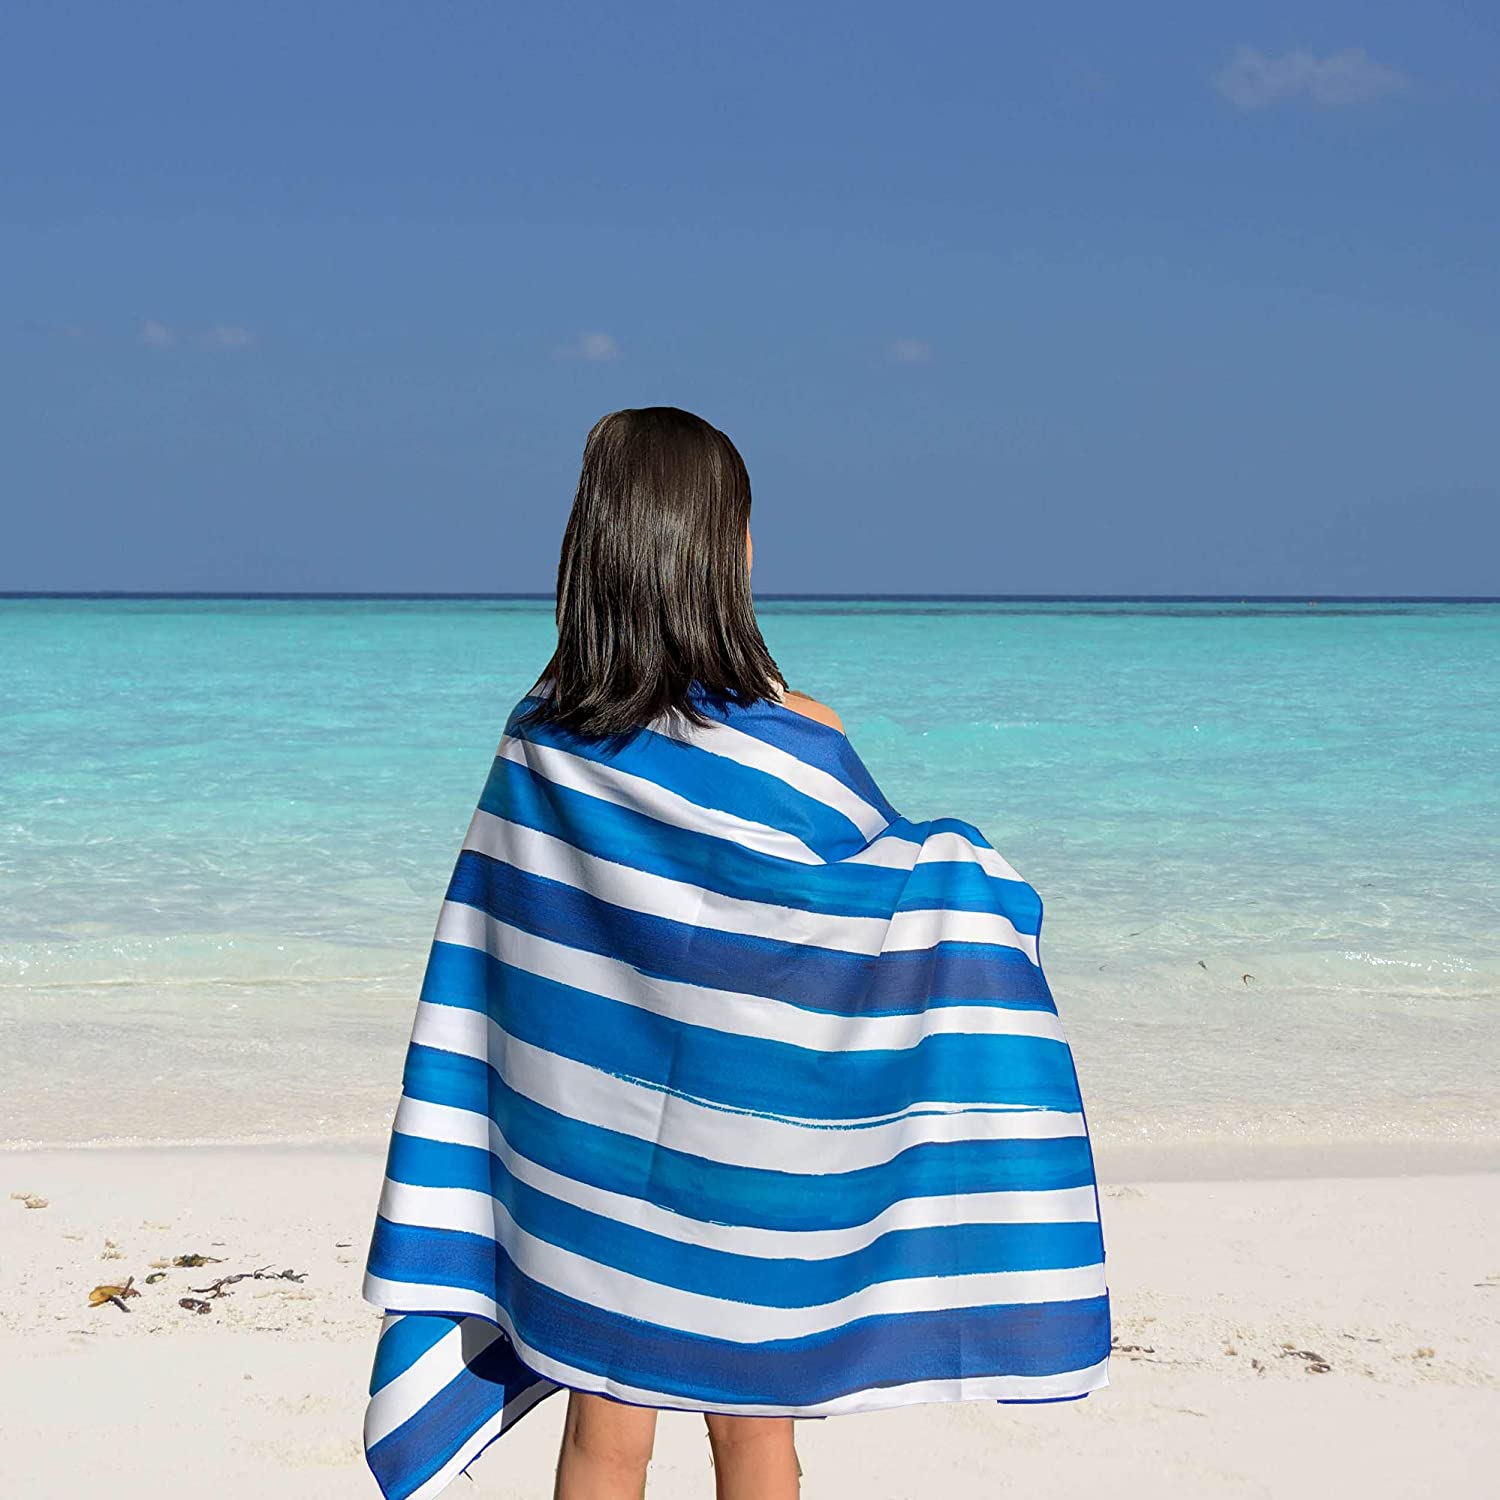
730 1088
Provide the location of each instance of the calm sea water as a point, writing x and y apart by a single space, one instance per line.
1265 835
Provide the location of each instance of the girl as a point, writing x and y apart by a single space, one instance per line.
730 1089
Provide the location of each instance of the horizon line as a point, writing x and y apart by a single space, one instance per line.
963 598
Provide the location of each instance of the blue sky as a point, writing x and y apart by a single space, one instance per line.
1081 298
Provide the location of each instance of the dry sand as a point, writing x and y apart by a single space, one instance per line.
1221 1290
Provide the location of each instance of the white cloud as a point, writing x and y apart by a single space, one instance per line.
1253 79
228 336
596 348
157 335
910 351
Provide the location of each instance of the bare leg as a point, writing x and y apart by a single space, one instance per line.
606 1446
754 1457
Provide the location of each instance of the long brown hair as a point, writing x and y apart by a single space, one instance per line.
653 584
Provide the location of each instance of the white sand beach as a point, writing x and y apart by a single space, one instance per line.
1230 1296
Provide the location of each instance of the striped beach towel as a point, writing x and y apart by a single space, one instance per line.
730 1089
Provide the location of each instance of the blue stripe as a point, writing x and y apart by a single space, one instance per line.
449 1257
603 828
408 1456
919 833
715 781
1031 1339
400 1346
705 1189
810 741
822 979
754 1074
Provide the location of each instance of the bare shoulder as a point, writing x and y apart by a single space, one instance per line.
802 704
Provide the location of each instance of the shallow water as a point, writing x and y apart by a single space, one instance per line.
226 825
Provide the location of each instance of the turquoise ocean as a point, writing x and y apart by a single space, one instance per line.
1265 835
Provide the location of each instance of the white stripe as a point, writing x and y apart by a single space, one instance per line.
919 929
640 794
894 852
612 1290
444 1123
447 1124
726 1010
471 1033
623 885
732 1137
469 1211
745 750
